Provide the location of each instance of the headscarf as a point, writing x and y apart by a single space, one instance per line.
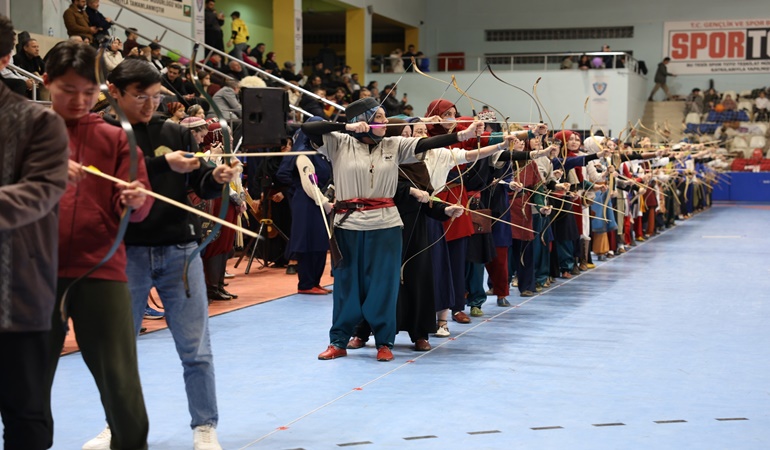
363 110
437 108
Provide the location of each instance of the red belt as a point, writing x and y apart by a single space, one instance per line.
362 204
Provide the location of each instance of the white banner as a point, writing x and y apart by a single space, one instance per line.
298 37
173 9
599 103
199 25
718 46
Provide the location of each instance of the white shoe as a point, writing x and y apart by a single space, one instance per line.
442 331
205 438
100 442
515 282
229 275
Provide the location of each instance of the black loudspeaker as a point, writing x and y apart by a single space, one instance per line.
265 111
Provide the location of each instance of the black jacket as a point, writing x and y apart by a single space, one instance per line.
166 224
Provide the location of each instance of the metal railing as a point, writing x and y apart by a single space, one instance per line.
37 80
212 50
511 61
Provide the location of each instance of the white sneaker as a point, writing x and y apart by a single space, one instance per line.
100 442
442 331
515 282
205 438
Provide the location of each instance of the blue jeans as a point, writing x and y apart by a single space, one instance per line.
187 318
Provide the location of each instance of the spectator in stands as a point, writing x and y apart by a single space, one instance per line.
728 103
315 82
660 79
196 111
396 61
373 89
235 70
258 53
584 63
711 98
76 21
694 102
361 93
607 60
113 55
288 72
390 102
158 60
97 19
408 110
270 66
35 165
131 43
15 82
227 99
172 80
322 72
213 26
176 112
239 35
410 53
312 104
566 63
423 63
327 57
762 108
354 85
29 58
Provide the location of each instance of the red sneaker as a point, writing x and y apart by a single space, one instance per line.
384 353
333 352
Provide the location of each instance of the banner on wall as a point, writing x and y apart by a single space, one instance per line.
718 46
199 25
173 9
599 102
298 37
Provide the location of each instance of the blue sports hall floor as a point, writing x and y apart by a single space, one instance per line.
665 347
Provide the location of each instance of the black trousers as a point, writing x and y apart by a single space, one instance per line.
310 269
22 390
214 270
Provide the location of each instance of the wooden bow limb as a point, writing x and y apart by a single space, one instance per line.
436 199
542 193
641 184
570 212
94 171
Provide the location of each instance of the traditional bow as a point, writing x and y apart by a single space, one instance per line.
225 188
125 217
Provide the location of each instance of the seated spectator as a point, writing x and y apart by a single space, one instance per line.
361 93
312 105
113 55
288 72
729 104
566 63
16 82
710 99
762 108
373 89
29 58
235 70
97 20
584 63
131 43
408 110
176 112
694 102
196 111
173 82
156 58
354 85
76 21
258 53
227 99
270 66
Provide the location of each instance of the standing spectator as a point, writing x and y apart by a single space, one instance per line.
566 63
660 78
76 21
239 36
410 53
607 59
131 43
396 63
213 26
97 19
35 146
328 57
584 63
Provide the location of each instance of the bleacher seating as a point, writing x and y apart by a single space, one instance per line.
727 116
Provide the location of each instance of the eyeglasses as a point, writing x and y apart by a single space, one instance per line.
142 98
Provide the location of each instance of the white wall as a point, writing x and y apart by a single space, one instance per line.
458 25
561 93
410 12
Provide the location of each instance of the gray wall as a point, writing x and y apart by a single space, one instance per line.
458 25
